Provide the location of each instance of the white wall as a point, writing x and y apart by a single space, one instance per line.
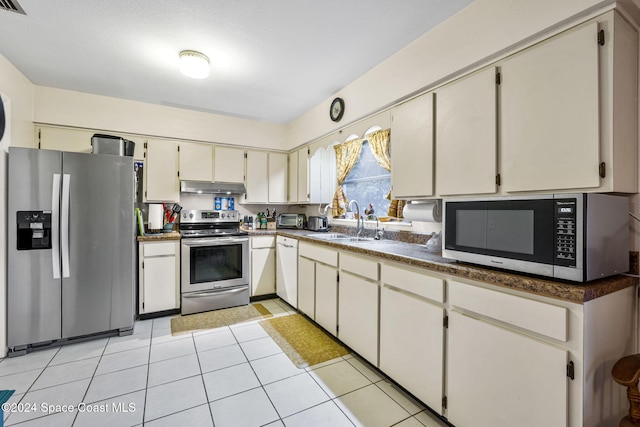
77 109
484 30
19 91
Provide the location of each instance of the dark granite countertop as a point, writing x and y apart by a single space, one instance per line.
417 255
174 235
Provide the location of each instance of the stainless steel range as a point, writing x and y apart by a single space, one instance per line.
215 261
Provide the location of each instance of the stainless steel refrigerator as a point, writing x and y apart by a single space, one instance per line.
71 232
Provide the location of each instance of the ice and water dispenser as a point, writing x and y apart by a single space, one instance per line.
34 230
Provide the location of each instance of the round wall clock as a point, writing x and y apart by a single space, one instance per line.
3 119
337 109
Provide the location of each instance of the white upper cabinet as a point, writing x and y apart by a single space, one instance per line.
79 140
52 138
228 164
412 148
466 139
558 127
196 162
161 182
278 178
550 116
292 190
257 177
303 175
322 175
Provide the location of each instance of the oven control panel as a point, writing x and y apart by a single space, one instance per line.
199 216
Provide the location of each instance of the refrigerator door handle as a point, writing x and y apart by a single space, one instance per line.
55 226
64 224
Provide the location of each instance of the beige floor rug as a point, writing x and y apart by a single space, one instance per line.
302 341
218 318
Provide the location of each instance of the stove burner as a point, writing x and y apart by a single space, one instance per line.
198 224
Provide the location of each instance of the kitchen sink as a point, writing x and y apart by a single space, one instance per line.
329 236
343 238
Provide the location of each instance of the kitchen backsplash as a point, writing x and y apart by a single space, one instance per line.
417 232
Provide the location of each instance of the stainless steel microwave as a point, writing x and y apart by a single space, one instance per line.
578 237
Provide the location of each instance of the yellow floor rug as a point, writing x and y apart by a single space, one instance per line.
302 341
218 318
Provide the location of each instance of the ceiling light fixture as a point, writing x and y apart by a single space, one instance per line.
194 64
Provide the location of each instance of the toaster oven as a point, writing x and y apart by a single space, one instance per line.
291 220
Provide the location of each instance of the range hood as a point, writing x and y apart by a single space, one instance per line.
199 187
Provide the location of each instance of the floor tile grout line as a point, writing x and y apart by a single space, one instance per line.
146 388
391 397
204 385
264 390
34 381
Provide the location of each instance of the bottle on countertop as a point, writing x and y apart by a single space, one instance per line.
263 222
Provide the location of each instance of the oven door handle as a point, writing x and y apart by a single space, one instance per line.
220 241
215 292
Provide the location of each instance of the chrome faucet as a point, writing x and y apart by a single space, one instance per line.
379 232
360 223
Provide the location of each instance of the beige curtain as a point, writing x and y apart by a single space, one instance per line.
379 142
347 156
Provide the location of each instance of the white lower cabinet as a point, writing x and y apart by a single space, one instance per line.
318 285
497 377
159 280
263 265
287 269
412 332
327 297
478 354
307 287
358 305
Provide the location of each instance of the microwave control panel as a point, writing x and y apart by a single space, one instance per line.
565 232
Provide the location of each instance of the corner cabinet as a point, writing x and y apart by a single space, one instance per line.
569 112
466 135
159 280
161 182
412 159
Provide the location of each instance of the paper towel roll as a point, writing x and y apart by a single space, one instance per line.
155 217
423 211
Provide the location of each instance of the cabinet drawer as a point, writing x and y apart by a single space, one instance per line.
287 241
360 266
158 249
536 316
263 242
414 282
318 253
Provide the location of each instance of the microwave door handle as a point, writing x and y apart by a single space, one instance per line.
64 224
55 226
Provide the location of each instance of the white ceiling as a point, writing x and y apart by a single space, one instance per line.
270 60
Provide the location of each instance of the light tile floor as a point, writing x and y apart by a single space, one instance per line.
230 376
